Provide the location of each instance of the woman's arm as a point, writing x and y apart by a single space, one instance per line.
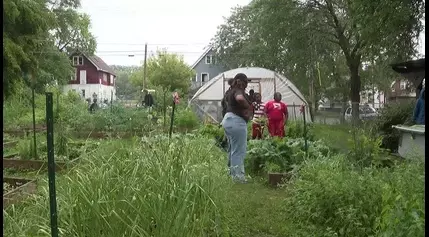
239 97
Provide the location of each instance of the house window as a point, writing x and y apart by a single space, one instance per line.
196 77
83 93
204 77
77 60
209 59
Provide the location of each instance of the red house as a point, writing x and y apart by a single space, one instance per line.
93 77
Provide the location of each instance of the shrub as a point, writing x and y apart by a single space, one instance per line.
295 129
332 198
186 120
365 149
394 114
282 155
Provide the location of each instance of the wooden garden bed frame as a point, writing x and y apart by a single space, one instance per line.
36 165
27 187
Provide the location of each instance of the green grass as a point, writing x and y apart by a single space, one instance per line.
335 136
254 209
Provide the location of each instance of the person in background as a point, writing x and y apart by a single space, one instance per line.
419 111
148 100
277 115
234 122
259 114
252 95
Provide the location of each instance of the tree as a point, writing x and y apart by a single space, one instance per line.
25 24
71 29
38 35
166 70
365 29
124 87
312 32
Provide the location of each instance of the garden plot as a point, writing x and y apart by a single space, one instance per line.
16 189
22 157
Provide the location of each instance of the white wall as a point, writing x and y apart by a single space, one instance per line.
103 92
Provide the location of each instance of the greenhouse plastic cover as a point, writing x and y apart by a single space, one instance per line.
263 81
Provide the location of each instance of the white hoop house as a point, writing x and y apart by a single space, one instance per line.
207 100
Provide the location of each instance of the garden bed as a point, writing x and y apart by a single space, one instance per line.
9 144
101 135
23 132
16 189
21 164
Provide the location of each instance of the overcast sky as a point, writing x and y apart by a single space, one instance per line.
186 27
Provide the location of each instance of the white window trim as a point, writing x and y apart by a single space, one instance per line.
77 60
211 59
196 77
208 77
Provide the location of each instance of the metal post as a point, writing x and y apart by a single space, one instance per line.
144 66
51 163
34 117
172 120
294 112
111 101
305 132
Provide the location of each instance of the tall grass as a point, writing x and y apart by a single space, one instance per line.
140 188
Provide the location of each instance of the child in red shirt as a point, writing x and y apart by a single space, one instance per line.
277 114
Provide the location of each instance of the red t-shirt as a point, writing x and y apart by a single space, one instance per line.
275 110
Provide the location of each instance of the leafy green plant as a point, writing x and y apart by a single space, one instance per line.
366 149
284 153
393 114
186 120
330 196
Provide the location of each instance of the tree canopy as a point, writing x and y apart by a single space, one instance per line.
321 44
166 70
37 37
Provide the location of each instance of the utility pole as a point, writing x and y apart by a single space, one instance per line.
144 66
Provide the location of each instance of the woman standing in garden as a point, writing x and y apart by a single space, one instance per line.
238 113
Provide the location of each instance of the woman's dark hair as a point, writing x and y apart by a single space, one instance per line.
240 81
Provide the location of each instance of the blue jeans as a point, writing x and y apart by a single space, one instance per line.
236 133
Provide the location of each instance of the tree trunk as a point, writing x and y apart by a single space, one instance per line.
355 87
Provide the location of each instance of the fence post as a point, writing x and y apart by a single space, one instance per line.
51 163
34 117
294 112
305 131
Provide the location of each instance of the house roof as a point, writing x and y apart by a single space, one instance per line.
202 56
100 64
409 66
97 62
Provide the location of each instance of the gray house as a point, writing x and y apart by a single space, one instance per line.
206 68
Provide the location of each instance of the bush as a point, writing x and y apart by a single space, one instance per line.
332 198
280 155
394 114
186 120
295 129
365 149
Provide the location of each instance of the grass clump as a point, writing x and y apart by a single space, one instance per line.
134 188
